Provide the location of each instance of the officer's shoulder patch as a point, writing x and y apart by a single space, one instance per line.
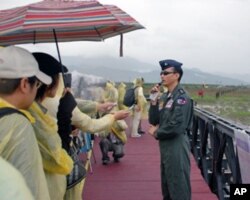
182 101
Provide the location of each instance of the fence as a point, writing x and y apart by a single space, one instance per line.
214 148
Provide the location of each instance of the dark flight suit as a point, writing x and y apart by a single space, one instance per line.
173 113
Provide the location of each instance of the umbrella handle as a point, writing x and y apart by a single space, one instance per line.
121 45
59 57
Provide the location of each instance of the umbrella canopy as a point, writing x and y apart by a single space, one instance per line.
70 20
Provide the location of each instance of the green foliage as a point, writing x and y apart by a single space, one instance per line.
233 102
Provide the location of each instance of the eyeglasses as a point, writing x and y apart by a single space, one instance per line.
165 73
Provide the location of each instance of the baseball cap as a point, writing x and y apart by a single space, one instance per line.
16 62
170 63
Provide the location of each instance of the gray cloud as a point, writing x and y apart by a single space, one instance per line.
210 35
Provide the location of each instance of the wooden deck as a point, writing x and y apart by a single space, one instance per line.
137 176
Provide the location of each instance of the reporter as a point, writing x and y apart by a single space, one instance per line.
56 161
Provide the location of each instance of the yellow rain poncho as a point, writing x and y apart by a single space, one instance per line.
111 93
18 145
87 107
12 183
79 119
118 128
56 161
140 98
121 94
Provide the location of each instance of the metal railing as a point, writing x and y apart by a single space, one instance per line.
213 146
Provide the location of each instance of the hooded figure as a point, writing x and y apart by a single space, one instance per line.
118 128
114 140
111 93
121 94
140 108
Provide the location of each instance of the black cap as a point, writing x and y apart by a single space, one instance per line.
48 64
170 63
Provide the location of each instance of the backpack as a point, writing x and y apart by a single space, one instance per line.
129 97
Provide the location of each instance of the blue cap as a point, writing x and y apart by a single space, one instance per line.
170 63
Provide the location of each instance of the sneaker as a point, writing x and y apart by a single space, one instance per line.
136 136
116 160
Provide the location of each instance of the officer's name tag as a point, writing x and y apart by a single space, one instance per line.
169 103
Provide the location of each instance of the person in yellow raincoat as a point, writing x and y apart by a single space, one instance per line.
19 80
115 139
121 94
140 108
11 178
56 161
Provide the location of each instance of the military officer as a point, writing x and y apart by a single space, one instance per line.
171 115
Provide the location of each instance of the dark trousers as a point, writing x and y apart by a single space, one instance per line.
106 146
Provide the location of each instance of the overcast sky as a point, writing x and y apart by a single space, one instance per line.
211 35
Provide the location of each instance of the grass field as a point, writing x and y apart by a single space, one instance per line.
232 102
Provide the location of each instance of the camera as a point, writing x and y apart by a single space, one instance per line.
67 78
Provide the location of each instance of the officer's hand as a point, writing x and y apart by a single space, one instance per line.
152 129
